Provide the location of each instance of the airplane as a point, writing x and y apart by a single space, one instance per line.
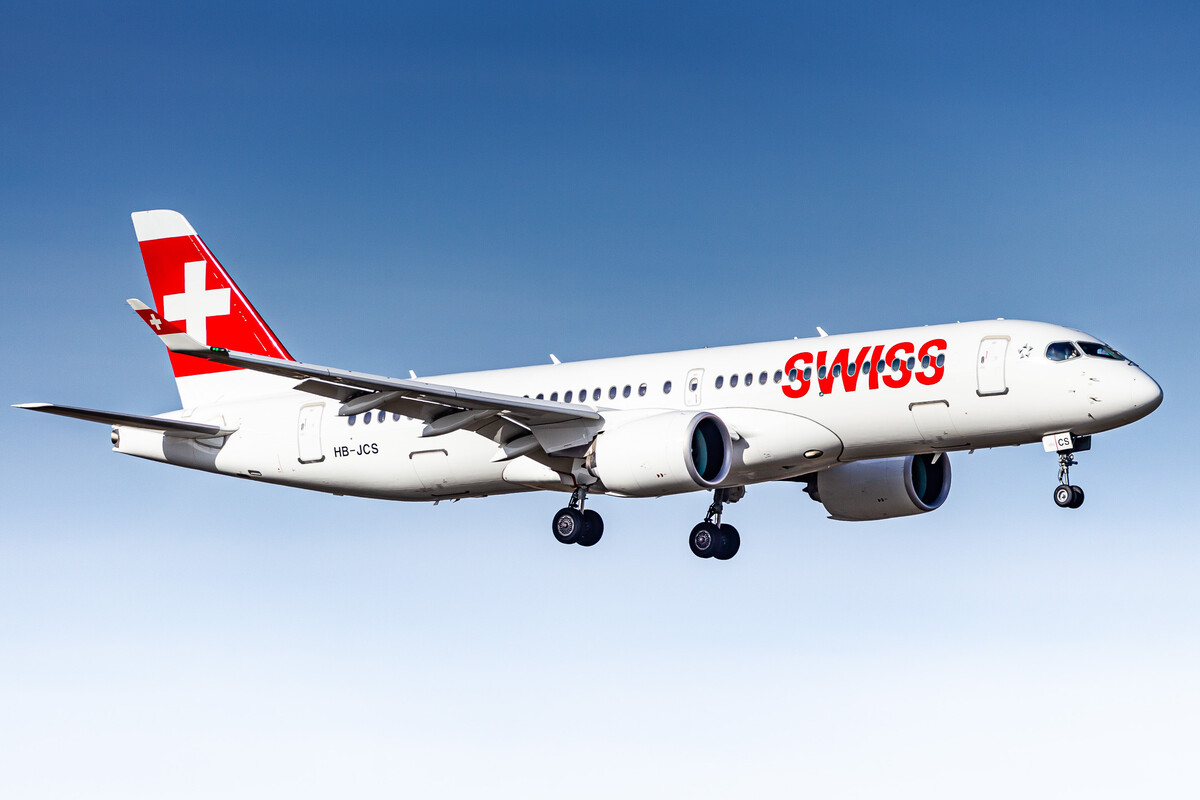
865 421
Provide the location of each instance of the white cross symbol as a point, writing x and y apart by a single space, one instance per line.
156 322
196 304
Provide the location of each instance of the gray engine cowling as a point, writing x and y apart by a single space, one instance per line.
883 488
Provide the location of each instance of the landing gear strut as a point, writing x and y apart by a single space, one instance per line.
1066 495
711 539
575 525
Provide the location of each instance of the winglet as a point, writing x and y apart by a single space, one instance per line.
170 334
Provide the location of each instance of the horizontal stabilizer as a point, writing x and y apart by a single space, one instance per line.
175 427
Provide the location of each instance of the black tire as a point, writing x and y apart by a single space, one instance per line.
1076 497
732 543
706 540
1064 495
593 528
568 525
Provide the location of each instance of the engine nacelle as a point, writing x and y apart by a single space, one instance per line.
677 451
883 488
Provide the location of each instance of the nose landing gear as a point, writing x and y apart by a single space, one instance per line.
1066 495
711 539
575 525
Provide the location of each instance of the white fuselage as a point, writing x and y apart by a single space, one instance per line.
986 384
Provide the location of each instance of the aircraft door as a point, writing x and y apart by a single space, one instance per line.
992 352
308 433
692 387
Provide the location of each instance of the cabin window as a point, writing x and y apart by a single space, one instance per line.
837 370
762 379
382 414
567 397
628 390
850 369
808 373
596 393
912 362
395 417
720 381
792 374
924 362
941 359
541 396
821 372
733 381
554 397
350 420
667 387
895 365
749 378
612 393
642 390
778 375
880 366
367 418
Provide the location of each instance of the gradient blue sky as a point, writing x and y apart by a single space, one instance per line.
445 186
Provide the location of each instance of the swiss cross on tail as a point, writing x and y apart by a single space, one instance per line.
193 294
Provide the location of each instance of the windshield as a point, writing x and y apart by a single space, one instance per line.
1061 351
1101 351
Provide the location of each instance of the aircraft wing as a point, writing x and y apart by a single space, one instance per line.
360 391
175 427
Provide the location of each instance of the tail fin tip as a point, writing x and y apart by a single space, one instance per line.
160 224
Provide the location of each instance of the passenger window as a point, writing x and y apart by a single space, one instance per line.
350 420
850 369
541 396
596 393
583 395
567 397
667 387
821 372
733 380
382 414
1061 351
778 375
924 362
628 390
941 359
720 381
612 393
367 418
895 365
808 373
395 417
912 362
642 390
793 374
749 378
695 384
880 366
554 397
837 370
762 379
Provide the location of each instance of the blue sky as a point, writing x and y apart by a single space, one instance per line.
446 187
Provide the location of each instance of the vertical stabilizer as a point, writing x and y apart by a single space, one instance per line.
193 291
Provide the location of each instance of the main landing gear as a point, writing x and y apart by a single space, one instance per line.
1066 495
575 525
711 539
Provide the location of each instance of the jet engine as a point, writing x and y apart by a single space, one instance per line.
883 488
677 451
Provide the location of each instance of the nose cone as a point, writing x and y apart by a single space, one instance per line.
1146 394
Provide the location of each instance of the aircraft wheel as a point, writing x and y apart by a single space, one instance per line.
1064 495
732 542
569 525
706 540
1076 497
593 528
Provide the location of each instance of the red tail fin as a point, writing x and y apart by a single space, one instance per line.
193 290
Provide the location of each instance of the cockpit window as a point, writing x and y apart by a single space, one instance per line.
1061 351
1100 351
